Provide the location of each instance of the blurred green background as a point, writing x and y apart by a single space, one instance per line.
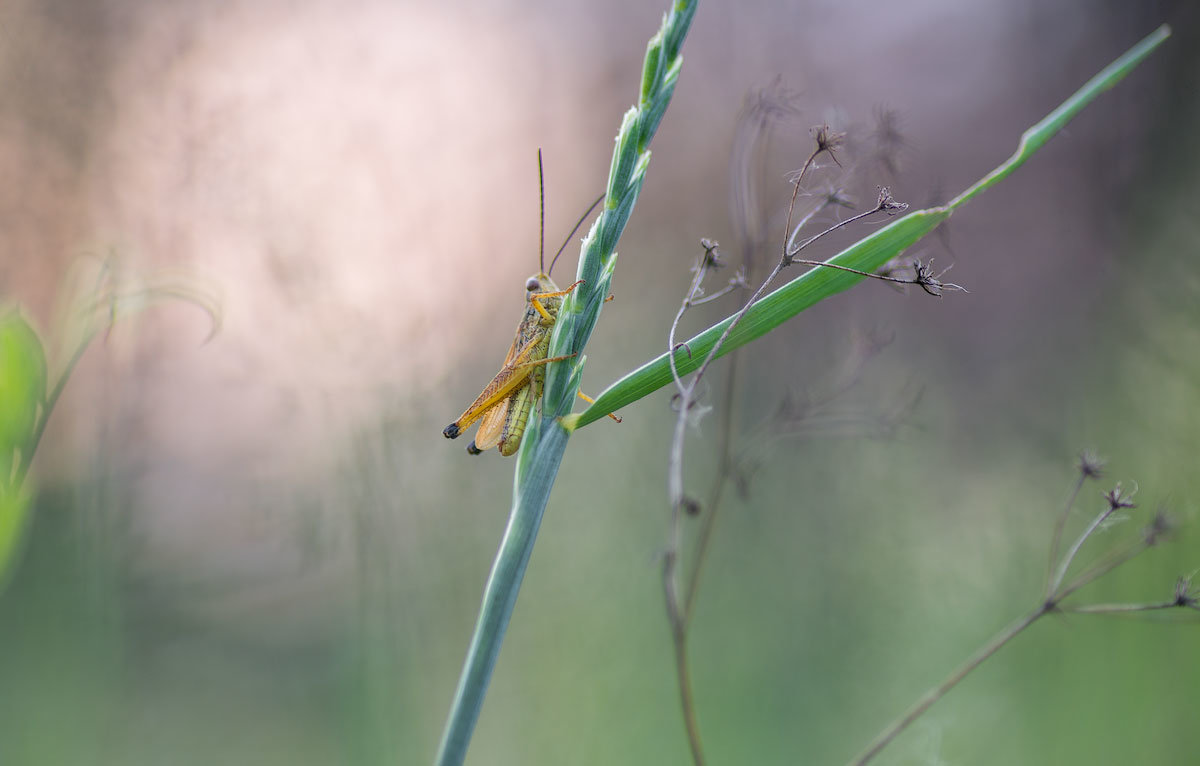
259 550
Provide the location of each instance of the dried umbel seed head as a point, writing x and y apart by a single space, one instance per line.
1159 528
887 204
1185 595
712 254
1091 466
924 278
1117 499
828 141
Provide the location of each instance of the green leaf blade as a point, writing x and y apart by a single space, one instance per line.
772 310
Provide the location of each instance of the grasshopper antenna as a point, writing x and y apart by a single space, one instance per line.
542 226
574 229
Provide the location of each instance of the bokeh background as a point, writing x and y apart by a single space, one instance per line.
258 549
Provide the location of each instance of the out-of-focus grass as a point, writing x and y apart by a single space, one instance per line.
833 598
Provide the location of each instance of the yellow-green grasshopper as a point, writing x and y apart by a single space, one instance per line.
504 405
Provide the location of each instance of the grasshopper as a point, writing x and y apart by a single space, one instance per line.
504 405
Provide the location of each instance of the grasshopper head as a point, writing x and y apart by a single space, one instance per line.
540 283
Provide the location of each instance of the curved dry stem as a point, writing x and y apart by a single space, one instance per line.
936 693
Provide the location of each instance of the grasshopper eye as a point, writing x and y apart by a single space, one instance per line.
533 284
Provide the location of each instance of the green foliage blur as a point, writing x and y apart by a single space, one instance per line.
22 399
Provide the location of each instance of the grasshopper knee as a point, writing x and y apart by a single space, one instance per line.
452 431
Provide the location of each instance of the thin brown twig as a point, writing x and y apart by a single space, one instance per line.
737 282
1183 597
936 693
1059 527
685 397
1120 608
679 642
763 110
827 141
709 259
708 523
1116 503
679 615
670 556
675 463
922 276
829 200
885 201
1106 564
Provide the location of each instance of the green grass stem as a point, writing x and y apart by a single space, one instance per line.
544 441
